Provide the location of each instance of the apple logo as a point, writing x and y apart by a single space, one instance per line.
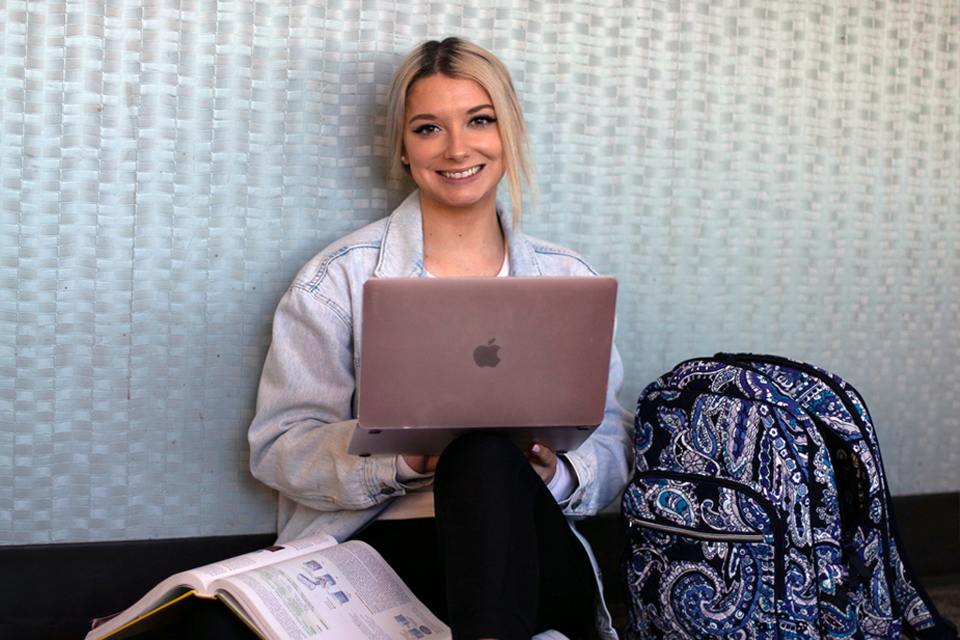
486 354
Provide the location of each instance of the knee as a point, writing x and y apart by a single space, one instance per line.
481 453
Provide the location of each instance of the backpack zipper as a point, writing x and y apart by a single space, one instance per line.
693 533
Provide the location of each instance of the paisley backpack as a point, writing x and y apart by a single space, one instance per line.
759 510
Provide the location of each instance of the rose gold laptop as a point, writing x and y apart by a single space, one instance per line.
527 358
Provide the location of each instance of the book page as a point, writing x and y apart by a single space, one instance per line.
346 591
201 578
207 574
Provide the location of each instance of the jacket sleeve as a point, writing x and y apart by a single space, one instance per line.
603 463
304 420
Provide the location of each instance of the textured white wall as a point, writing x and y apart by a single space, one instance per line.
779 176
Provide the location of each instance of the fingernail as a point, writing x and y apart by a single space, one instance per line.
535 448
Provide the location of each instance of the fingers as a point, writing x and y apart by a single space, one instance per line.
544 461
422 464
541 454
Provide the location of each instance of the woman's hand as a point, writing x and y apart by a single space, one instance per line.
422 464
544 462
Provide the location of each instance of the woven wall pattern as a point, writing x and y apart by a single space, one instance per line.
780 176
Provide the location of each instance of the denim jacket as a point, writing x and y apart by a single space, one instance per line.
306 405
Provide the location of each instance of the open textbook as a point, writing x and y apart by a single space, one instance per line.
306 588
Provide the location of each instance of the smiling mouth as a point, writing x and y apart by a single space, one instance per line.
460 175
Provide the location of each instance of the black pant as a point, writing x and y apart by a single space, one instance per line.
501 561
499 553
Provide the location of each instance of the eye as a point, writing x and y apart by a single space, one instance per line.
483 120
426 129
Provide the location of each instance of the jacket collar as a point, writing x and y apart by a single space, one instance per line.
401 253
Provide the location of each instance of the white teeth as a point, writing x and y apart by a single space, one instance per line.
462 174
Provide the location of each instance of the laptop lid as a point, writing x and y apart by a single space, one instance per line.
527 357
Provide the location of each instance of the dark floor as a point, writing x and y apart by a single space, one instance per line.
97 579
945 592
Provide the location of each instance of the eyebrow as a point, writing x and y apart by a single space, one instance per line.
430 116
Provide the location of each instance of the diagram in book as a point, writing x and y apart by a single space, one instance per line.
411 630
416 633
310 580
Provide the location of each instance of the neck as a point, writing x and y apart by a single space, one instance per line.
462 243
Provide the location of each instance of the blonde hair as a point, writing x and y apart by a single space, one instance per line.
462 59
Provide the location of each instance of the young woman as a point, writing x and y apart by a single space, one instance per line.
481 532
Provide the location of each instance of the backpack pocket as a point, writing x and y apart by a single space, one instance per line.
705 558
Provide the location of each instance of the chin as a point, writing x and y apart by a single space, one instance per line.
465 201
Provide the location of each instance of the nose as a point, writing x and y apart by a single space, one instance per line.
457 149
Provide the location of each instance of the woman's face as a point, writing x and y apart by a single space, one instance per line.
451 143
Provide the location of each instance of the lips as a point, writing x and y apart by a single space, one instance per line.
460 175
